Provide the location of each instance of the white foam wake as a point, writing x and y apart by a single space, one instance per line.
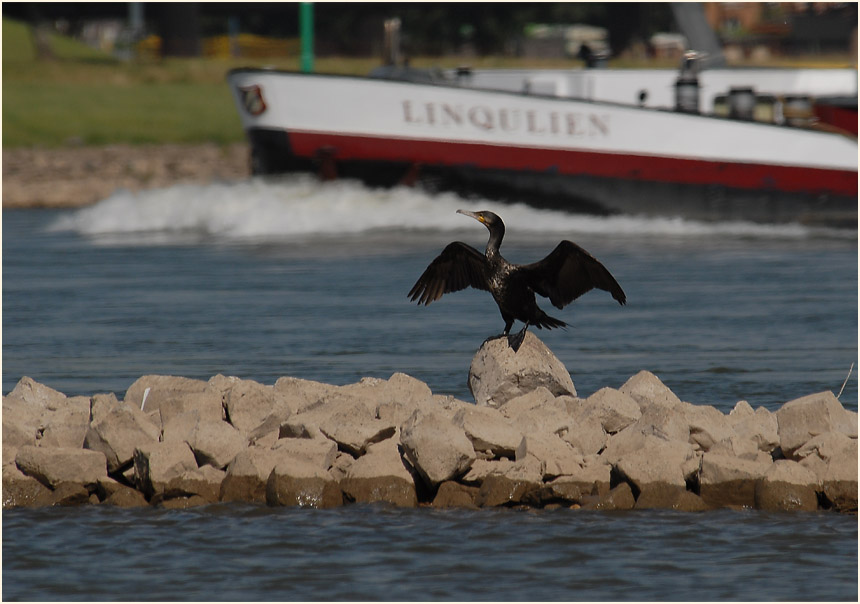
301 206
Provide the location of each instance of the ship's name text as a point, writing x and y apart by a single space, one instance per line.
490 119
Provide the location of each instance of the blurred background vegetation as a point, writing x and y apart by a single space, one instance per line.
99 73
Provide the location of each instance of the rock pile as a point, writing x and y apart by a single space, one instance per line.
179 442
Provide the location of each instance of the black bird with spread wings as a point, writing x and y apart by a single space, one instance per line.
563 276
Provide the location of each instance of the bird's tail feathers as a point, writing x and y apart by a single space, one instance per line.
548 322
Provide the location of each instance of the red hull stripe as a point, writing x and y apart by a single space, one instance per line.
608 165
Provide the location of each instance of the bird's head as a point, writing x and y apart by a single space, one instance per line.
488 219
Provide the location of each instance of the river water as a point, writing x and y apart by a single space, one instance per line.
263 279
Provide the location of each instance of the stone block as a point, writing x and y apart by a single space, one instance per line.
204 482
586 435
118 433
354 427
804 418
20 490
320 451
489 431
455 495
669 497
619 498
614 409
647 390
53 465
498 374
657 462
556 456
156 464
216 443
436 448
787 486
708 425
255 409
248 474
729 481
301 483
499 490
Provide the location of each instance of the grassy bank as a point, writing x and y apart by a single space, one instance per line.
83 96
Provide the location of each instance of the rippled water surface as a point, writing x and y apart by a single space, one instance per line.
241 553
265 279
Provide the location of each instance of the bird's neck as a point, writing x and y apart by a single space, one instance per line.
496 236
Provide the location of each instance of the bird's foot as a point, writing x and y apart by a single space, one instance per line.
496 337
516 340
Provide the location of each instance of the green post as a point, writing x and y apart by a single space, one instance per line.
306 25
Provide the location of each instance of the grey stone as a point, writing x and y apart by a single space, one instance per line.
614 409
118 433
489 431
729 481
804 418
156 464
787 486
455 495
354 427
54 465
436 448
255 409
498 374
301 483
647 390
248 474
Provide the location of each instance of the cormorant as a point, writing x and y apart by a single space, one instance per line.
568 272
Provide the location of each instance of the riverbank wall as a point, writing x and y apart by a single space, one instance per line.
528 441
72 176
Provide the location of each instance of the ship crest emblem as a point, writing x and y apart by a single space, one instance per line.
252 99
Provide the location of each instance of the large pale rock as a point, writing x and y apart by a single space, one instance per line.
22 422
38 395
118 433
832 457
647 390
354 427
614 409
455 495
556 456
204 482
248 474
498 374
216 443
619 498
255 409
319 451
657 462
500 490
489 431
787 486
156 464
586 435
708 425
101 404
592 479
669 497
52 466
67 426
666 422
302 395
299 482
380 475
729 481
804 418
759 426
161 390
436 448
20 490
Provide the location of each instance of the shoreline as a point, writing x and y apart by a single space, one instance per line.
528 441
72 176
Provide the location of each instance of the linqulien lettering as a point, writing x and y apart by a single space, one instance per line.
489 119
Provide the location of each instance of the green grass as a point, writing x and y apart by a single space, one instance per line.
84 96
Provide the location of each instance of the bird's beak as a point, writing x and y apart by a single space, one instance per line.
472 214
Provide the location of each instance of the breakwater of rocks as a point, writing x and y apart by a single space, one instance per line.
528 440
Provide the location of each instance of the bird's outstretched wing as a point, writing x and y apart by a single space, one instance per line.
568 272
458 266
